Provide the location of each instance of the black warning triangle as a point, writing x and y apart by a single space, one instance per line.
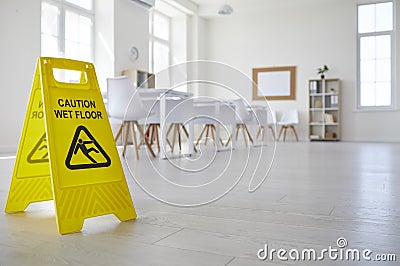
39 153
79 145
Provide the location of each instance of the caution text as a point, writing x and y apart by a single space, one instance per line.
69 111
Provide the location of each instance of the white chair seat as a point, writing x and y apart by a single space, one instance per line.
124 103
289 120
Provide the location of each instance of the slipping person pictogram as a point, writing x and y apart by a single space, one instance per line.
81 145
39 153
84 143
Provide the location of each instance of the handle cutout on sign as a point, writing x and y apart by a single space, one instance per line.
70 76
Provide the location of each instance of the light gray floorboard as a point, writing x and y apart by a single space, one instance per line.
315 193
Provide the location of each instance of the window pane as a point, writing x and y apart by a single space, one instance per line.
383 70
384 17
161 26
71 26
151 56
375 54
367 71
366 18
78 37
383 94
383 47
367 94
85 30
161 56
49 46
367 48
50 19
87 4
49 28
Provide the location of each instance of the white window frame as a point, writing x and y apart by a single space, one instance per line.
392 35
153 38
65 6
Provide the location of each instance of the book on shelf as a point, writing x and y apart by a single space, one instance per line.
314 137
314 87
318 104
334 100
330 135
329 119
327 102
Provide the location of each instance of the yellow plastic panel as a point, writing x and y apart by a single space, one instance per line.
85 169
31 176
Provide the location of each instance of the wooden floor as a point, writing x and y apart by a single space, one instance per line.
314 194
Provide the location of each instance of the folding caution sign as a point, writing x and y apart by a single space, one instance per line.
67 151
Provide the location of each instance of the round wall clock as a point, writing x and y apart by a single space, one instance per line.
134 53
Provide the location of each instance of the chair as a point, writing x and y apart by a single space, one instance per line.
152 122
206 115
260 119
289 120
124 103
272 122
242 116
178 113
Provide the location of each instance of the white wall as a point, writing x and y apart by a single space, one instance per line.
119 25
104 41
122 24
131 27
19 49
307 36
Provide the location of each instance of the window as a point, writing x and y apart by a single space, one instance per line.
67 29
375 43
159 43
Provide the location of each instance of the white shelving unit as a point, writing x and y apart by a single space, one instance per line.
324 109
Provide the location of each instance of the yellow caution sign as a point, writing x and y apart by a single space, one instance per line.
67 151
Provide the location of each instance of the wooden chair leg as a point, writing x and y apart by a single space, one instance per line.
213 134
295 133
119 132
263 133
207 132
132 128
280 132
248 133
260 133
168 131
244 134
237 131
179 136
141 139
125 138
228 141
145 140
284 134
154 134
201 135
157 127
185 131
273 132
173 138
149 132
